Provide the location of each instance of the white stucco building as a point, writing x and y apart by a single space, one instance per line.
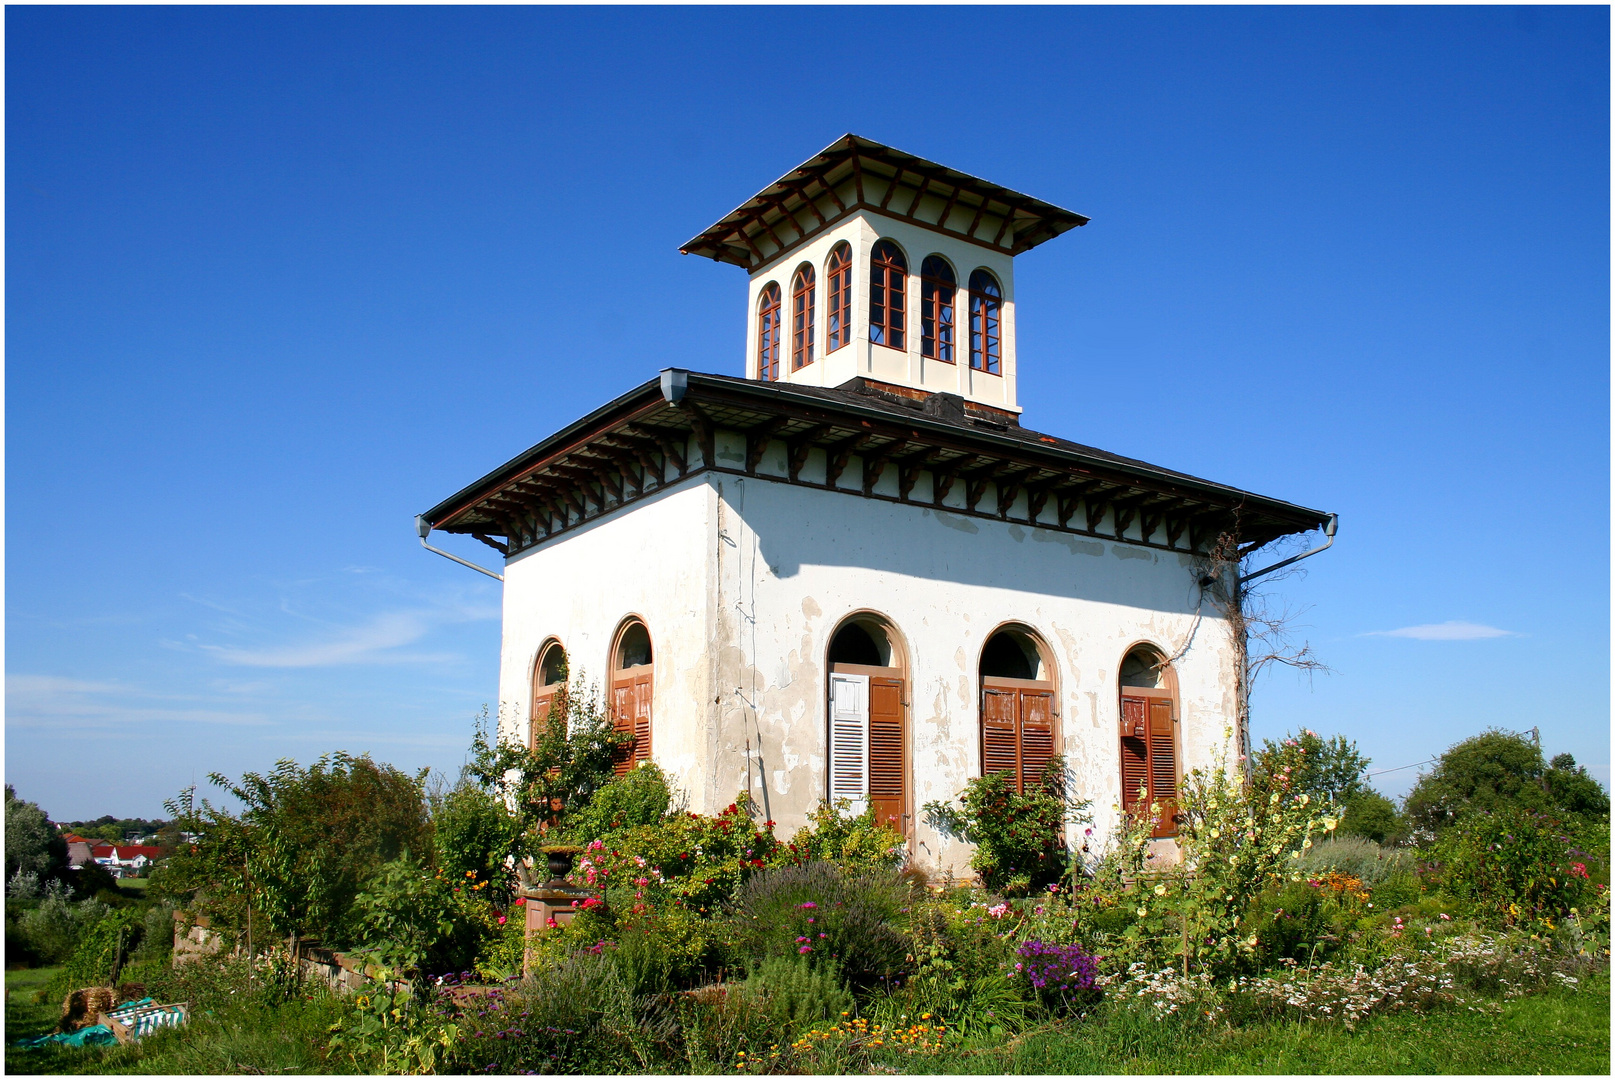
853 571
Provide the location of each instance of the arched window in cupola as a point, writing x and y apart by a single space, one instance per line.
802 317
768 332
986 302
937 287
888 287
838 320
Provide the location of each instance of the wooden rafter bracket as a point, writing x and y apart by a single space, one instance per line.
975 488
706 432
800 445
758 438
503 549
840 454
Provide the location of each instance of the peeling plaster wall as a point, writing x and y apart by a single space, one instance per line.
654 561
796 561
742 580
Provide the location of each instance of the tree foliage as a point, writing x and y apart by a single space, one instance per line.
302 847
1496 770
1328 769
32 844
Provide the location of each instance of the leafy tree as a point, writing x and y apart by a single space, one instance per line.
472 829
1496 770
32 844
1019 836
302 848
1328 769
1371 816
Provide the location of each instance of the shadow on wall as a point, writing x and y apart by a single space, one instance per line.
940 546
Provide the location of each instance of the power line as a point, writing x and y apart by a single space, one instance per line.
1381 772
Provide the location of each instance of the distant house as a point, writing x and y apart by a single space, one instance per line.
78 850
126 860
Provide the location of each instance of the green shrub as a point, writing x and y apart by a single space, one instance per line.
823 914
639 797
54 928
961 963
854 841
1361 858
795 994
1019 836
1517 863
412 921
575 1016
1300 921
661 951
683 860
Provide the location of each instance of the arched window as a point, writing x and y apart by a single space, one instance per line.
1149 744
1018 733
802 317
768 333
868 724
986 300
936 309
632 673
838 320
549 685
888 287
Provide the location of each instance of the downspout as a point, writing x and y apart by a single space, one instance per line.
1328 530
423 527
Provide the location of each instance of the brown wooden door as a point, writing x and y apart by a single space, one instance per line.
1149 759
887 756
630 713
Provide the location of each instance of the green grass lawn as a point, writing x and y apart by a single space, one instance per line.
1561 1031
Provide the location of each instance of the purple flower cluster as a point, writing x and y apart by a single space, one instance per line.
1056 968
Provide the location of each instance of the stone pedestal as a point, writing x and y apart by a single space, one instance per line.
553 904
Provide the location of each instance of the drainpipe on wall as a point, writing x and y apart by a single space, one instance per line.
423 527
1328 530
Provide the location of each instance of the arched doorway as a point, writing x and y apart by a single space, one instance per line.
868 734
549 679
1019 730
1149 742
632 678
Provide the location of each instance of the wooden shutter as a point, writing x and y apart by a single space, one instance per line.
849 739
1000 742
1037 735
539 718
1163 766
622 719
886 744
1135 752
642 700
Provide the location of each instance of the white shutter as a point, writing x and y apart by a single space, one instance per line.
849 739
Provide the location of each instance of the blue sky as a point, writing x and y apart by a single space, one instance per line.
279 279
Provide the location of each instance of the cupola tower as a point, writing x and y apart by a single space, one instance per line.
869 263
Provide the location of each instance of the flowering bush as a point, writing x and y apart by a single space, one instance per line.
1062 976
1236 839
683 860
853 841
824 915
1019 836
1519 864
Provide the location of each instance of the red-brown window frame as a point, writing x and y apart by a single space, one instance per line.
986 335
838 278
768 332
888 281
802 289
638 684
1145 727
938 317
543 695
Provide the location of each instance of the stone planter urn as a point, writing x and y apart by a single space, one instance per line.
559 859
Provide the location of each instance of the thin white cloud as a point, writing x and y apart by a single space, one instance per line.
375 642
48 701
1452 630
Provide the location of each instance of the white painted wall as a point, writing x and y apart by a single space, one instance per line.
655 561
862 230
803 560
742 581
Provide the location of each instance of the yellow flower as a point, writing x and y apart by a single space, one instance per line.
1329 824
1306 843
1215 833
1143 911
1160 890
